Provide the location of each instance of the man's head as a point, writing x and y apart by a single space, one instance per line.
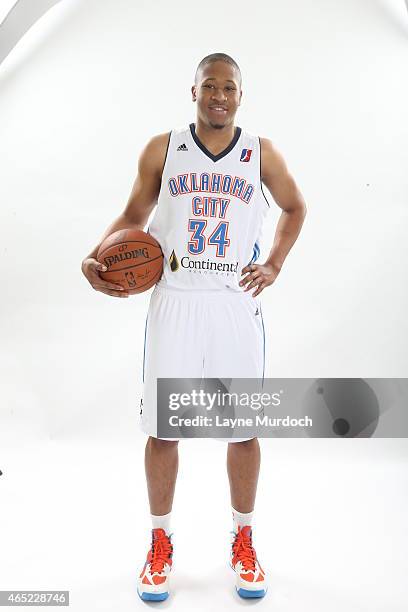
217 90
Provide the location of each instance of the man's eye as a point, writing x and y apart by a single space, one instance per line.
208 85
231 88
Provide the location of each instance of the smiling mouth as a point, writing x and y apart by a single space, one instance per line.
218 109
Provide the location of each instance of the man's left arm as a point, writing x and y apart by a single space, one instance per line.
278 180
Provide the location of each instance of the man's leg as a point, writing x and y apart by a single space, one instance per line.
173 349
161 466
243 463
235 349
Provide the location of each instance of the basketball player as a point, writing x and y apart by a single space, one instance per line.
204 317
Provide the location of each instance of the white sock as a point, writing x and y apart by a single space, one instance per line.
240 519
162 521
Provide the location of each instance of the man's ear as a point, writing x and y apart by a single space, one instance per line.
240 97
194 93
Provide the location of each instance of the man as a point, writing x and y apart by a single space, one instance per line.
204 315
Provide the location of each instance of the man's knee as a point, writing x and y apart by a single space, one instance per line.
160 444
244 443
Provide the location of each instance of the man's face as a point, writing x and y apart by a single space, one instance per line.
217 92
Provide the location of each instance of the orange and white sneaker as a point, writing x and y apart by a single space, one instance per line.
250 576
153 581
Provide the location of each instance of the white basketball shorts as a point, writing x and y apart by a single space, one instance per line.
199 334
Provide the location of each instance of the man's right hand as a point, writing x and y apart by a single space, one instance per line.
91 269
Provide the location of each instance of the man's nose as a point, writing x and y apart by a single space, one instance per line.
219 94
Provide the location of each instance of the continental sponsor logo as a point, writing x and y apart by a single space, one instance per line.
207 264
200 264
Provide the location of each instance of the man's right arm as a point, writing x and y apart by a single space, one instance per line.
141 202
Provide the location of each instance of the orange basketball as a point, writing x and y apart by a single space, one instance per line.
134 260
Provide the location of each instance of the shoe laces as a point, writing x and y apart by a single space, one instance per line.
161 550
243 550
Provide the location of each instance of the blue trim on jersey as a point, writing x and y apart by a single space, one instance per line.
144 347
260 172
256 253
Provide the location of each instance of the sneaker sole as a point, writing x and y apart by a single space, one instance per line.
153 596
247 594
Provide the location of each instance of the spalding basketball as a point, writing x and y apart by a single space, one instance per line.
134 260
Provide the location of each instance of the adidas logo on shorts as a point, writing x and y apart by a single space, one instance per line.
182 147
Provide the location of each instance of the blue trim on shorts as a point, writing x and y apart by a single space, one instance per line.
144 347
263 332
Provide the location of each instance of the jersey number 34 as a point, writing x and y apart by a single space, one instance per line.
218 238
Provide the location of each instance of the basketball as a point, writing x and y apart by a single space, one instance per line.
133 258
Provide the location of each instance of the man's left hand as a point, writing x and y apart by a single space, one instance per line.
259 276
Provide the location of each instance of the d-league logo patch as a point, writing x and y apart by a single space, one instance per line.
246 155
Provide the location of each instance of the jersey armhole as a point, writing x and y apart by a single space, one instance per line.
260 172
167 151
164 166
156 208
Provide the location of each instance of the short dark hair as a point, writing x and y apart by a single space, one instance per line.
217 57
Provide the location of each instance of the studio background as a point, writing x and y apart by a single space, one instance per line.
80 95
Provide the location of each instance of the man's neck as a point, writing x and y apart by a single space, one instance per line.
215 140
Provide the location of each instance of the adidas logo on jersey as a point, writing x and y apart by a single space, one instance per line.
182 147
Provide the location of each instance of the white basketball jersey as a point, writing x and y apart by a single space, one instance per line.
210 211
